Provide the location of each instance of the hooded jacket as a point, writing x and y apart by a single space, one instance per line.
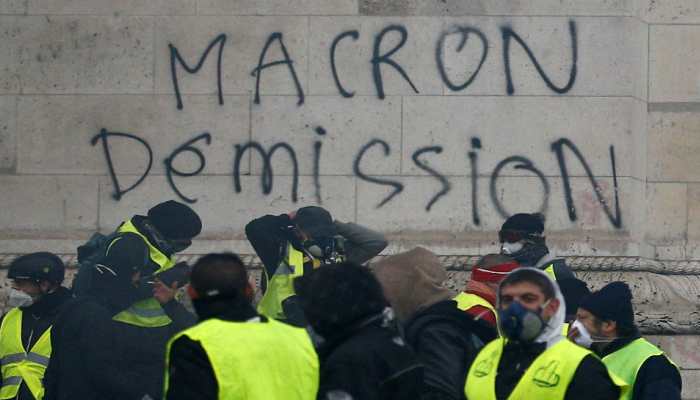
445 338
591 379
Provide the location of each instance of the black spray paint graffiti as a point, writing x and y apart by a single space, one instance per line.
465 32
518 162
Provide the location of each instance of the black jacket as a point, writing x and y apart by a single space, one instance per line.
590 382
95 357
657 378
446 340
191 376
369 362
269 235
36 319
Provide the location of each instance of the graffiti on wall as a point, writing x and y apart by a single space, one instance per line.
564 150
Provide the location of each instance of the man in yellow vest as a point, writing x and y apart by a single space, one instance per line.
291 245
235 353
479 296
522 238
25 347
533 360
605 323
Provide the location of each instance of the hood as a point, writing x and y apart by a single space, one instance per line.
412 281
552 331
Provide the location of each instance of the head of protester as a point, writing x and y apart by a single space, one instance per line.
574 291
532 360
34 276
479 296
172 226
530 307
36 298
605 324
234 352
292 244
362 355
522 238
444 337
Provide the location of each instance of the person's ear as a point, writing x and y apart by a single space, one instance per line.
45 286
249 292
609 328
552 307
192 292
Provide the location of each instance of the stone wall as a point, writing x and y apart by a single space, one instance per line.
428 120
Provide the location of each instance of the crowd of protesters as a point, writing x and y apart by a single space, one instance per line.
329 325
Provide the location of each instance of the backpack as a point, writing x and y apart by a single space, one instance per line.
90 256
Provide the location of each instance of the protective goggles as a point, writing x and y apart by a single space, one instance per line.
512 236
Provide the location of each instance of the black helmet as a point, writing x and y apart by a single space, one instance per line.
38 266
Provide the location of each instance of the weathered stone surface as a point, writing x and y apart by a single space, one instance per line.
8 133
224 212
694 212
76 55
277 7
670 11
56 132
13 6
674 63
112 7
611 56
43 204
691 384
353 58
526 127
682 349
496 7
349 124
666 212
673 146
245 40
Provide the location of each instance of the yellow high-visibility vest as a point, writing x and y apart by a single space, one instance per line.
626 362
256 360
281 285
18 364
548 377
146 313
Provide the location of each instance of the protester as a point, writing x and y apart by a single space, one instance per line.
235 353
521 238
25 345
533 360
362 355
574 291
479 297
290 245
109 343
605 324
445 338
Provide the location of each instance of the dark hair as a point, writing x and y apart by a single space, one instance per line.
624 329
335 296
219 274
530 276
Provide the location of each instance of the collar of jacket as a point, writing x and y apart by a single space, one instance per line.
351 330
619 343
49 303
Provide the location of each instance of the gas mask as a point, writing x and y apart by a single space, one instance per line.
584 338
511 248
18 298
520 324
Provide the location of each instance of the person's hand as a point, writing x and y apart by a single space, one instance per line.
163 293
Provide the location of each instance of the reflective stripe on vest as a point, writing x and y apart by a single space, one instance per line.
256 360
146 313
548 377
626 362
281 285
18 365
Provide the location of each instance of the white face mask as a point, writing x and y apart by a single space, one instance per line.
18 298
511 248
584 338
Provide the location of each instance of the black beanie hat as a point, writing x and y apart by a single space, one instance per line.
315 221
611 303
38 266
530 223
175 220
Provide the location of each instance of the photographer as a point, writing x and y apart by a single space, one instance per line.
290 245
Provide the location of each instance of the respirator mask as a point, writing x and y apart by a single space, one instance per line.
521 324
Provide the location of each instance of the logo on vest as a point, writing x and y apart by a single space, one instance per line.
547 376
484 367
